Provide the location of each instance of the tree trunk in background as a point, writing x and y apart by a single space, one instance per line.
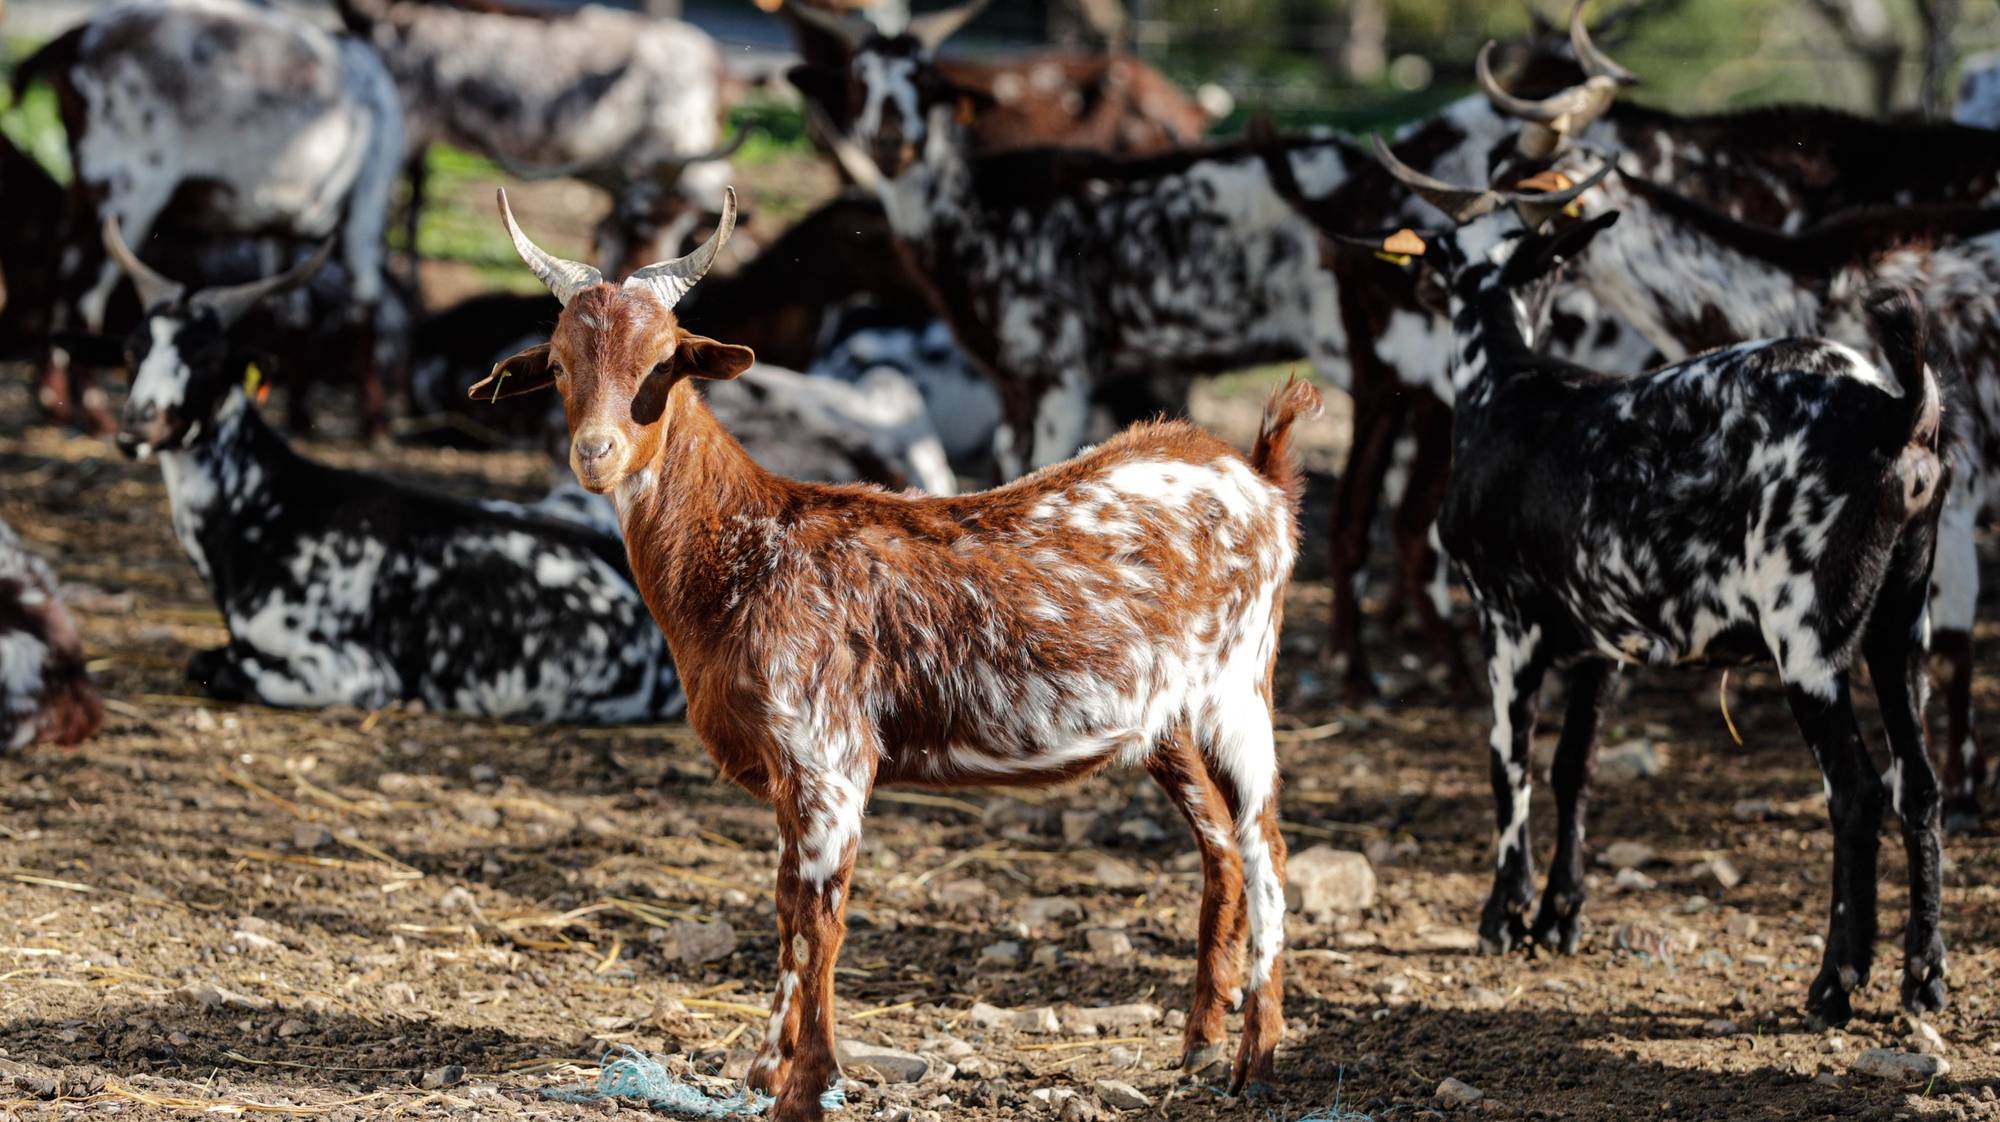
1940 20
1365 55
1866 27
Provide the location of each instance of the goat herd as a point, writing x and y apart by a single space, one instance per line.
1709 389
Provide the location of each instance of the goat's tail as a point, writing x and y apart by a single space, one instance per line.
1914 434
71 710
49 59
1272 455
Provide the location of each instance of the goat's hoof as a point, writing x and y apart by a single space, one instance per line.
1503 934
1924 989
1210 1061
1258 1089
1827 1003
1560 933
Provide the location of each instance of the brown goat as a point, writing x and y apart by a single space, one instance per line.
1121 607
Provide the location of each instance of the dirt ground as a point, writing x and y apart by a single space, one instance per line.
226 909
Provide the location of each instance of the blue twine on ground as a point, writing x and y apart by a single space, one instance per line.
628 1073
1334 1113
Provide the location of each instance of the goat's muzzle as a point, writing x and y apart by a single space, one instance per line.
143 430
594 455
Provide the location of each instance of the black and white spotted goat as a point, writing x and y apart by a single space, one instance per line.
233 118
1773 500
45 691
341 588
630 102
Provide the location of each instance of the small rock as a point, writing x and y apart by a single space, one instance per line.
1080 826
308 836
215 997
1723 872
1005 953
964 891
1834 1045
1827 1079
1720 1026
1113 873
1632 880
1142 830
1479 997
1108 941
1626 855
1454 1093
399 994
1752 810
1046 954
1695 903
1394 985
1925 1039
1629 762
253 941
1043 912
1117 1020
1080 1108
1741 926
977 1067
293 1027
1908 1067
892 1064
457 899
1040 1021
483 773
1120 1058
1120 1096
1324 881
449 1075
948 1047
703 942
478 813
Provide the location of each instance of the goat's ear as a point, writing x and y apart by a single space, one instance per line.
822 85
526 372
698 356
1544 252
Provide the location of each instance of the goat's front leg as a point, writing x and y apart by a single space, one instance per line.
1825 713
820 821
1558 923
1514 669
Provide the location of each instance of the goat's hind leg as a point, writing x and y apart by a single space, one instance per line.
1191 784
1894 649
1243 753
1825 713
1559 922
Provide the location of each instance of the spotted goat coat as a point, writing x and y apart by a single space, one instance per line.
1772 500
342 588
45 692
1122 607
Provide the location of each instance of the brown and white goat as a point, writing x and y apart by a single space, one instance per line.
1120 607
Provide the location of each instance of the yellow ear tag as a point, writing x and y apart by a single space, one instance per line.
254 385
1574 209
1393 258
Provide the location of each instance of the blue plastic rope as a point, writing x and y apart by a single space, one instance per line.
628 1073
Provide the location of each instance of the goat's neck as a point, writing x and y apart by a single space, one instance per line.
1494 333
934 191
700 521
220 482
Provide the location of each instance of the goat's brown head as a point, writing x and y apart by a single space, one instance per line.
616 353
1550 122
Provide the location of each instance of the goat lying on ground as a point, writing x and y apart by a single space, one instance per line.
45 693
1121 607
341 588
1772 500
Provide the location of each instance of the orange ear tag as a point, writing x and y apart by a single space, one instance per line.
1398 248
1546 181
965 111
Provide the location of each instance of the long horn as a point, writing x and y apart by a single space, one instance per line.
671 280
728 149
1461 204
1541 112
1595 62
153 288
849 31
231 301
853 160
564 278
933 29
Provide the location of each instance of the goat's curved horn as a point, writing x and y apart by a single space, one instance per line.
671 280
933 29
231 301
851 158
1541 112
1595 62
153 288
728 149
564 278
1567 195
849 31
1461 204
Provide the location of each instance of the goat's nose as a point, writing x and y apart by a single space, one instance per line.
591 447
